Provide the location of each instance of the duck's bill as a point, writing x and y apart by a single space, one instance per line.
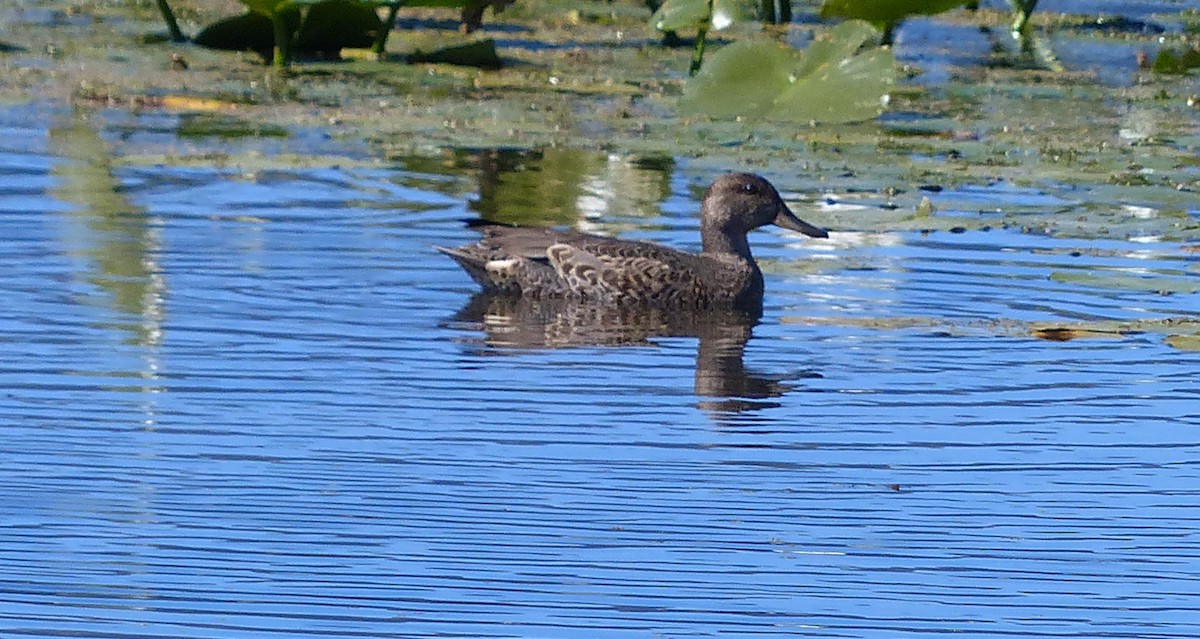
788 220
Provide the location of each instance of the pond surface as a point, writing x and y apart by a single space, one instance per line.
259 404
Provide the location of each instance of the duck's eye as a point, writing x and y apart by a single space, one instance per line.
750 187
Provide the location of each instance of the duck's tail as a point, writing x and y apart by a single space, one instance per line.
474 265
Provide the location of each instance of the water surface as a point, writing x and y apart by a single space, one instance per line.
258 404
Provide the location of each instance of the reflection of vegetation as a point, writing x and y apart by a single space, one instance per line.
556 186
120 238
1023 9
532 188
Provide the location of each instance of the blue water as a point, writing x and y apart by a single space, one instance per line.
250 403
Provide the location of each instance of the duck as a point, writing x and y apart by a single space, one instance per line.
537 262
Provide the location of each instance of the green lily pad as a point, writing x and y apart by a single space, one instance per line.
675 15
830 82
885 11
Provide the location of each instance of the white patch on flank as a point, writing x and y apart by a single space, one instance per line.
501 265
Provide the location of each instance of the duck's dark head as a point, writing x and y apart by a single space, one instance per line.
737 203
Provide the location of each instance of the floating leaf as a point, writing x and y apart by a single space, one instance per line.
1184 342
674 15
885 11
828 83
1127 281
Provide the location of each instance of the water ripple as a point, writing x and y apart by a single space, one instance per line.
241 405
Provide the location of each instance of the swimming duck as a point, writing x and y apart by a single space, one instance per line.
542 262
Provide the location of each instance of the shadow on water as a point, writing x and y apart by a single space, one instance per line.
728 387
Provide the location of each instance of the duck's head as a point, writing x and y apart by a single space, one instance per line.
737 203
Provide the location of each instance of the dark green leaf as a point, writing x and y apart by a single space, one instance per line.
885 11
332 25
248 32
742 79
269 7
450 4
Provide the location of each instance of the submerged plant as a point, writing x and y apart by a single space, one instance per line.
834 80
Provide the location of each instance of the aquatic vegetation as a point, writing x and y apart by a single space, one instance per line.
279 30
701 15
833 81
1176 61
888 14
885 14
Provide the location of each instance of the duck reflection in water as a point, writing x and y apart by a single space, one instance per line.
721 377
559 288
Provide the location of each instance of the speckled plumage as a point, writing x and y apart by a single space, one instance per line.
539 262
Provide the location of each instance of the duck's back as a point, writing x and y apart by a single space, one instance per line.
539 262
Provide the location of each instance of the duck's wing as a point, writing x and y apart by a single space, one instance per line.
512 259
547 262
631 270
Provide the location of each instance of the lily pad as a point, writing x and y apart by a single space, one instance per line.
674 15
1129 282
885 11
830 82
1184 342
